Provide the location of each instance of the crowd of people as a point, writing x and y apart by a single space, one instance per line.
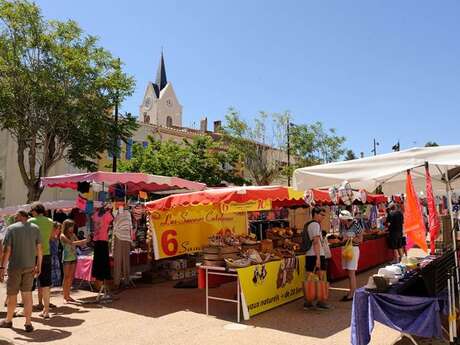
32 259
351 230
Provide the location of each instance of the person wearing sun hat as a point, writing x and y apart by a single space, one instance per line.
350 229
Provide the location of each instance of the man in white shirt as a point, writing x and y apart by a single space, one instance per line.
315 261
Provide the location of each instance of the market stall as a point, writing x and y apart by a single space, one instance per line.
269 267
215 222
109 210
432 285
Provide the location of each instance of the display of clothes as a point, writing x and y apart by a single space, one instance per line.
101 260
122 239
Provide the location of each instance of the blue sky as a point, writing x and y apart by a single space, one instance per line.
383 69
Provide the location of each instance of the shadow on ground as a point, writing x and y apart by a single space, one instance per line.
160 300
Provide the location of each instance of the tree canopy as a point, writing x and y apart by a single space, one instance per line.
57 90
263 145
201 159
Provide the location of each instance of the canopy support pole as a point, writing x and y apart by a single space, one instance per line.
454 241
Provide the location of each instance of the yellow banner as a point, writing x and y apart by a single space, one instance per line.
248 206
267 286
185 230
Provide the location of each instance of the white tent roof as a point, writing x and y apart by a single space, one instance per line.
388 170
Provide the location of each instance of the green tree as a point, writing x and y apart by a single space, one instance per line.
263 146
350 155
310 144
202 159
57 86
431 144
254 146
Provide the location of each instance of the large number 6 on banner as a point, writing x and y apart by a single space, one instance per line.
168 240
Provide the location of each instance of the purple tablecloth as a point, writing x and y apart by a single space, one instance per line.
413 315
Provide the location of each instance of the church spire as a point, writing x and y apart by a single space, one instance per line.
161 80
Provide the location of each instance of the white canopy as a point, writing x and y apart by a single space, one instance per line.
388 170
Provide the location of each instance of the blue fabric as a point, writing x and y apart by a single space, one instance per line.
102 196
414 315
55 263
89 207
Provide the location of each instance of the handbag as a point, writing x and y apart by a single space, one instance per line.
322 288
347 252
309 287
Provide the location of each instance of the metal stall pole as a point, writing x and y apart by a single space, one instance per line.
454 242
449 294
454 309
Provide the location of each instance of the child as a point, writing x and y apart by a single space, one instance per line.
55 235
69 256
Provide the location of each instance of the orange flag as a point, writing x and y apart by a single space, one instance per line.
414 226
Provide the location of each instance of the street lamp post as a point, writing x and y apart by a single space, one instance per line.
115 153
289 152
376 143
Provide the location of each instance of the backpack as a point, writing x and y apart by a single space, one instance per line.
306 241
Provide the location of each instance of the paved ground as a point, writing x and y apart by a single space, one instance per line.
161 315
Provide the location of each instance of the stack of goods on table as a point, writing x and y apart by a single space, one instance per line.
287 238
221 247
177 269
242 251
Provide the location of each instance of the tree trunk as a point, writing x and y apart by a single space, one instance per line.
33 192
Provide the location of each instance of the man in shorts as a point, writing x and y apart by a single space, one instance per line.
45 226
23 252
315 261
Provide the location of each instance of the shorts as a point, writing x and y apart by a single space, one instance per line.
44 279
395 242
352 265
310 263
19 279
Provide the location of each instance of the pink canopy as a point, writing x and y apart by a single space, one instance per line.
134 182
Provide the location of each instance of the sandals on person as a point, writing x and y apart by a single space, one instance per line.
28 328
6 324
346 299
45 316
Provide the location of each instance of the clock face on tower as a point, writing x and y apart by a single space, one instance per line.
148 102
169 102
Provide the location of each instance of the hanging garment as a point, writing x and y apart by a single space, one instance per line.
101 224
101 261
122 225
121 261
83 187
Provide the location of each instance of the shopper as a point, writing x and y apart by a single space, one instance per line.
315 261
45 225
396 241
351 230
69 256
23 253
56 269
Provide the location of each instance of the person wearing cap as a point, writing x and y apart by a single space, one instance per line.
351 229
23 253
